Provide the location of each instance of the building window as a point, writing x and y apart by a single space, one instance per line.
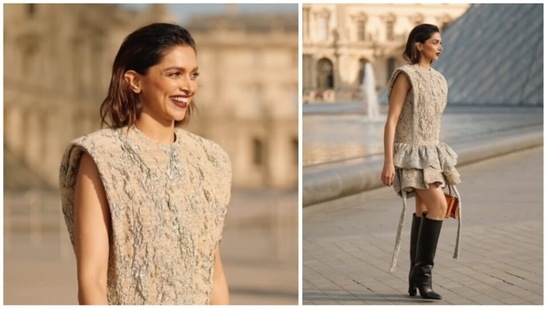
257 98
31 9
77 64
306 21
97 61
30 59
258 152
295 145
322 30
391 64
361 70
390 24
308 71
361 30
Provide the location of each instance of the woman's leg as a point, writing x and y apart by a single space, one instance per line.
421 207
434 200
427 240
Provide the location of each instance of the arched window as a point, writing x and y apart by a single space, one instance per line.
325 74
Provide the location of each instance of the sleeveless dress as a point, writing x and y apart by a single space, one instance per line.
167 204
419 157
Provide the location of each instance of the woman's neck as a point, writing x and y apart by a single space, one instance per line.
156 131
424 64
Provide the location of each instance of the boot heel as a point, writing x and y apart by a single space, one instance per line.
412 290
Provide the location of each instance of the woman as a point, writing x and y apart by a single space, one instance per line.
416 163
143 200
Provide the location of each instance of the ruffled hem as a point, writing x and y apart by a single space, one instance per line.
438 156
411 179
418 166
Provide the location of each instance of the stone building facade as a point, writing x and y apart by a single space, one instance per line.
339 39
57 63
248 93
57 67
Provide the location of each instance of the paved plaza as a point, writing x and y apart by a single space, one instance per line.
259 251
347 251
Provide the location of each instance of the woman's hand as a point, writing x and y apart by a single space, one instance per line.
388 174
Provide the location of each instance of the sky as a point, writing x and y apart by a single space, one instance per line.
185 11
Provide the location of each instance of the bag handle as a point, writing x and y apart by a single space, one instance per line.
450 188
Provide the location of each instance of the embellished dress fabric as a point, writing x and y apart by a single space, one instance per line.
419 157
167 204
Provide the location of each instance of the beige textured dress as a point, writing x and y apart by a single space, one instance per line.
419 157
167 204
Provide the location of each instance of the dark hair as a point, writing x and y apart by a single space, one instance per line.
420 33
140 50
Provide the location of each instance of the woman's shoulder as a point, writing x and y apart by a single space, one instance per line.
101 136
98 143
407 68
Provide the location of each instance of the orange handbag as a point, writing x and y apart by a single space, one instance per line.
452 211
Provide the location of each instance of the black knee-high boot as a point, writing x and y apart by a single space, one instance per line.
427 241
416 221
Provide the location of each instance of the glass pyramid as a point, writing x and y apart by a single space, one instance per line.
493 55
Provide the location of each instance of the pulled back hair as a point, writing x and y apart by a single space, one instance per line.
143 48
420 33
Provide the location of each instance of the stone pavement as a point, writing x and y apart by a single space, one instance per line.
259 251
347 251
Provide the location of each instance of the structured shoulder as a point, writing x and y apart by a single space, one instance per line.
106 139
408 68
97 144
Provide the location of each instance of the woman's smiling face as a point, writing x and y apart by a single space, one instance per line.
168 87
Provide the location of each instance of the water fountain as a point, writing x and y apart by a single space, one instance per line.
368 87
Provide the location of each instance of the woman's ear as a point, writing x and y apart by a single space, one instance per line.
134 80
418 46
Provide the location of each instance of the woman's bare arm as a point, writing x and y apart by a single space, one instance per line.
92 222
397 98
220 294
